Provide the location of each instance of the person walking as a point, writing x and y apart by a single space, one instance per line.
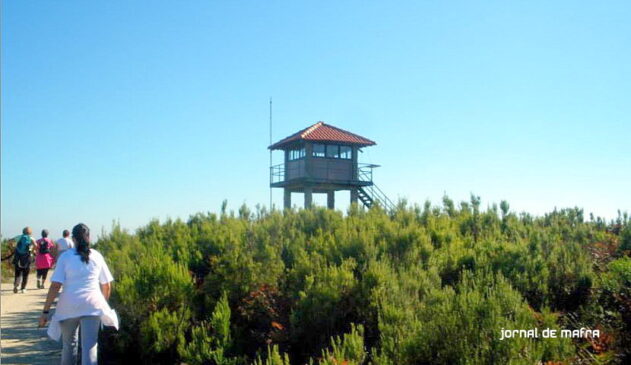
22 258
86 280
64 243
44 258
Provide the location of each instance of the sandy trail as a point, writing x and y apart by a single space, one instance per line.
22 342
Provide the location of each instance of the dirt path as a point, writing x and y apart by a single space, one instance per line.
22 341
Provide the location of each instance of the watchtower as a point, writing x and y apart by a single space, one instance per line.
323 159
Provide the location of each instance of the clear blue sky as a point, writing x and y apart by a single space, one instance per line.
129 111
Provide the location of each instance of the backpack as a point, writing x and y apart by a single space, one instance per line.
23 245
22 257
43 247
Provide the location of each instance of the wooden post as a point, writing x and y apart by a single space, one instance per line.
308 159
285 166
308 196
355 163
287 198
354 195
330 199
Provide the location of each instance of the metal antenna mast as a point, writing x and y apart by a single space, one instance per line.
270 151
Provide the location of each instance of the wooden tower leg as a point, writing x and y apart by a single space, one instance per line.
287 198
308 197
354 196
330 199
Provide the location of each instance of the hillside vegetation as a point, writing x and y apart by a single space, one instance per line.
420 285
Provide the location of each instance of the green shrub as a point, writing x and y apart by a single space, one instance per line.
324 306
274 357
625 240
617 280
462 325
152 298
6 265
210 341
428 285
348 349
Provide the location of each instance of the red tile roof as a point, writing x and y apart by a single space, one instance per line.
322 132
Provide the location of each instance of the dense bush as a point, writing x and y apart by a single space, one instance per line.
460 325
413 286
153 299
210 342
6 266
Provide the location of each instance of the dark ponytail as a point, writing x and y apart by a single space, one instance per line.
81 233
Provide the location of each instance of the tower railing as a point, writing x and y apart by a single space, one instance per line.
277 173
364 171
369 192
375 194
372 191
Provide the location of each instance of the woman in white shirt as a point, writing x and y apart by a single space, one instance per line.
86 280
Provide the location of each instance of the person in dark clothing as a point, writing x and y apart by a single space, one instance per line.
22 258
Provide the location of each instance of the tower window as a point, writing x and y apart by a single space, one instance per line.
346 152
333 151
319 150
296 154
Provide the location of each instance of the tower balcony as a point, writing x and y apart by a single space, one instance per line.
322 172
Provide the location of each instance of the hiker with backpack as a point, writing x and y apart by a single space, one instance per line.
86 280
22 258
44 258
